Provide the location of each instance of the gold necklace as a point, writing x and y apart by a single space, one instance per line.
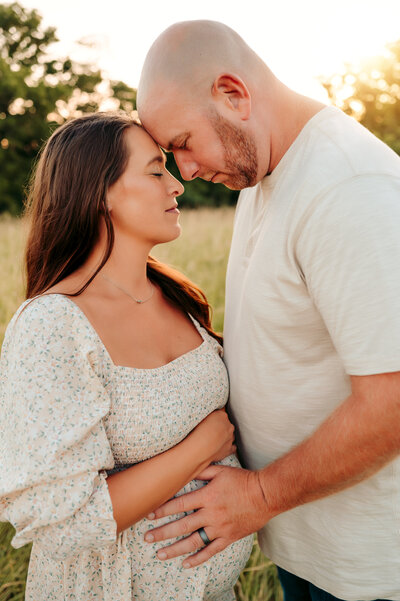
137 300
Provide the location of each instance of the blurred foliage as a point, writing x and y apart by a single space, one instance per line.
39 92
370 92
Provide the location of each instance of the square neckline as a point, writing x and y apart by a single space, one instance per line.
131 367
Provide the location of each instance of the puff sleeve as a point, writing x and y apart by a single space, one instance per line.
53 445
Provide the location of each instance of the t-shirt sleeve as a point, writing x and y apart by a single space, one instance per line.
53 446
349 253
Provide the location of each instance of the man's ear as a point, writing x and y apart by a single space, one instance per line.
231 90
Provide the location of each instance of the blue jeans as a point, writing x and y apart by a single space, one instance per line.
297 589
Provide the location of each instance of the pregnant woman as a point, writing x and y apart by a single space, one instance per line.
112 383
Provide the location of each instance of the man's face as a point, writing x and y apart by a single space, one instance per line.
240 153
204 145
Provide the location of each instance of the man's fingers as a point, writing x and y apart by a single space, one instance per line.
204 554
190 544
181 527
181 504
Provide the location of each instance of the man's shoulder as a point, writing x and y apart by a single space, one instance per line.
333 157
347 148
332 153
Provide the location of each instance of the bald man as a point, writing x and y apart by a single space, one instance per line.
312 322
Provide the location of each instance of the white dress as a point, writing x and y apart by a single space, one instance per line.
68 417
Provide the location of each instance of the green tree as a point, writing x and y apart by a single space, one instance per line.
38 93
371 93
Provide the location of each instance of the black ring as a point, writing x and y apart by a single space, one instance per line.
203 536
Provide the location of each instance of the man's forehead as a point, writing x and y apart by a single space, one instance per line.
168 105
166 132
170 125
158 98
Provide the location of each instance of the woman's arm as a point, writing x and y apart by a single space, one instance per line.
140 489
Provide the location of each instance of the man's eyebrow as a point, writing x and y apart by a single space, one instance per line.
158 159
177 140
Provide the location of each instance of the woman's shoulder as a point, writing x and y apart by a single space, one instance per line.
44 308
45 317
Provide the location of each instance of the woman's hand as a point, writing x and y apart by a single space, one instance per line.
214 436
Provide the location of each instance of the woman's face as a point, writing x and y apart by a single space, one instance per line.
143 200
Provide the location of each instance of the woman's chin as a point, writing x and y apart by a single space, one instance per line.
173 234
177 231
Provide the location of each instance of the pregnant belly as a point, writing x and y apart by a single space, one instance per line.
210 581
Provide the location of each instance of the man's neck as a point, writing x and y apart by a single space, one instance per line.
292 115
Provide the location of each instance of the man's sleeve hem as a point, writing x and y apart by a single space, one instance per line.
371 368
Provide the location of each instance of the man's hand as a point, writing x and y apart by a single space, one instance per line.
230 507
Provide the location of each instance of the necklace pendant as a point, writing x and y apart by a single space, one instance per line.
138 301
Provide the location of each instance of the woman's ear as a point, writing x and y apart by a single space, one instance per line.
108 199
231 90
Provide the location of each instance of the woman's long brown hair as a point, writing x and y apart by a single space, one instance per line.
67 199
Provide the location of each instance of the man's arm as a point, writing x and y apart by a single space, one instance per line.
359 437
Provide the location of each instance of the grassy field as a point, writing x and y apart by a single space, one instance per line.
201 253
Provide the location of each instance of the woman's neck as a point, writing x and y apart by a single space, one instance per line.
126 266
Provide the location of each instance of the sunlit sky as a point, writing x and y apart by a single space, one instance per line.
299 39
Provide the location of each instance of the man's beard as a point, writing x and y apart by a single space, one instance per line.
240 153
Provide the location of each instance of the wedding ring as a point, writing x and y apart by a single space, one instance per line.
203 536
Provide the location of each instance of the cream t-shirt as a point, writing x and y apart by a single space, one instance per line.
312 297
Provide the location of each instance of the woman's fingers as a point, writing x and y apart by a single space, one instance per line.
209 472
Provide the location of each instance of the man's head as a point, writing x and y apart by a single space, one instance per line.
195 98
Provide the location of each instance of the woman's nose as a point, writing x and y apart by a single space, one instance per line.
178 188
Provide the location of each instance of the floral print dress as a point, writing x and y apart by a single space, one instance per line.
68 418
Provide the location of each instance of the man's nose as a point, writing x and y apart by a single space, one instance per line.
188 167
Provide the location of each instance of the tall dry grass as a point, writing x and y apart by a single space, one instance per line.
12 239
